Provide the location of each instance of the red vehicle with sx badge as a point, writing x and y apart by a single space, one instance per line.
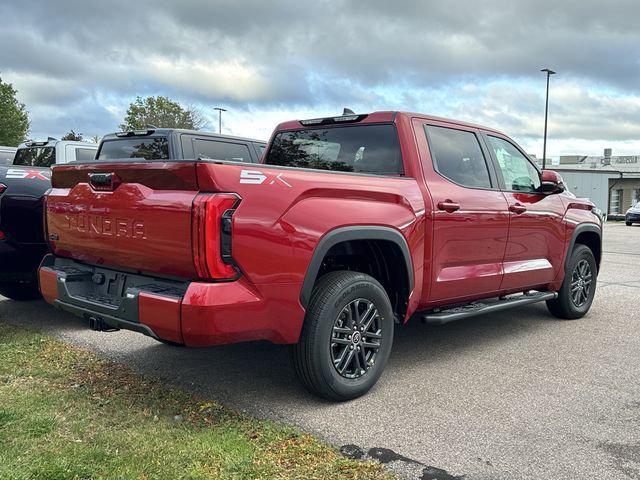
349 227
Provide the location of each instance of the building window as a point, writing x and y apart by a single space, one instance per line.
635 197
616 197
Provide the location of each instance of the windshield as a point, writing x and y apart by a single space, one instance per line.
35 156
354 148
149 148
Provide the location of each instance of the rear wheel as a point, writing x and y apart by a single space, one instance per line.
20 291
628 224
579 286
346 338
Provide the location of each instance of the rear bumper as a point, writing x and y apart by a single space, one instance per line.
192 313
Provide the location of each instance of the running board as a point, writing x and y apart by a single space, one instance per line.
480 308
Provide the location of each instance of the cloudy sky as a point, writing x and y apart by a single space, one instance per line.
77 64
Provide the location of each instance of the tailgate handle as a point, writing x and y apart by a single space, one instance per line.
106 182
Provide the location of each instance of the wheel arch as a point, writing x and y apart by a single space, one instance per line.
589 235
376 239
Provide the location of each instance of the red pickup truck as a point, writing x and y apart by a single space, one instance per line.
350 226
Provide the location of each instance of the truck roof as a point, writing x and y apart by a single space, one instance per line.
167 131
52 142
384 116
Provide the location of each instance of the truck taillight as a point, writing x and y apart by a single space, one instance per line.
211 225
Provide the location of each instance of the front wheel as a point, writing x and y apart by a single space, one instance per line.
346 337
628 224
579 286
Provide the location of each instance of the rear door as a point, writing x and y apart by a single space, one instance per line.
536 231
470 219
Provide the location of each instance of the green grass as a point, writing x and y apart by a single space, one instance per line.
65 414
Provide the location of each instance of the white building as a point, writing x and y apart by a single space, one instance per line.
612 183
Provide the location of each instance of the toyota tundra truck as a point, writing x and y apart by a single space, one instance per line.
349 227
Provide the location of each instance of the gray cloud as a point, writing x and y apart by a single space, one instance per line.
288 54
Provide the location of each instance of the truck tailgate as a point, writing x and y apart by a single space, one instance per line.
135 215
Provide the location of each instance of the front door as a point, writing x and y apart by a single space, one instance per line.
536 233
470 216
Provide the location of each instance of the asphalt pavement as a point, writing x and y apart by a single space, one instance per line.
514 395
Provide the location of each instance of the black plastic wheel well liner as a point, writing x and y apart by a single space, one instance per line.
592 230
347 234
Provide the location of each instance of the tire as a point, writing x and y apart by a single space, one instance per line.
20 291
334 301
628 224
582 264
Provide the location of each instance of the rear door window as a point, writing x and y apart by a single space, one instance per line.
356 148
217 150
35 156
149 148
457 156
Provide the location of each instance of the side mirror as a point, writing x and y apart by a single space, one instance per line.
551 182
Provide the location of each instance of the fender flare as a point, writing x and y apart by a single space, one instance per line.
343 234
582 228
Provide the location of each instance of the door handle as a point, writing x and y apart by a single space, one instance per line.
448 206
517 208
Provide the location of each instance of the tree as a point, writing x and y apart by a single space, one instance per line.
73 136
96 139
161 112
14 119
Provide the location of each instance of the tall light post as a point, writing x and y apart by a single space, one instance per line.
220 110
546 116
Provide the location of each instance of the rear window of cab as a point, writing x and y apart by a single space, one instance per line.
372 149
149 148
35 157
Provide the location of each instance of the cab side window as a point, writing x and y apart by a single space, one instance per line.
518 172
218 150
457 156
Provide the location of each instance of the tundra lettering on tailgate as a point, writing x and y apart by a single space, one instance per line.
101 225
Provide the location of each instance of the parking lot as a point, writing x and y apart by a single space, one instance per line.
511 395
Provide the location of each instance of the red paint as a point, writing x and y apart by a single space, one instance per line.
48 284
161 314
465 243
35 174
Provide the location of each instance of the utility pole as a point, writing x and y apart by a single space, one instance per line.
220 110
546 116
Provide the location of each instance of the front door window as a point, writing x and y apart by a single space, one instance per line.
518 172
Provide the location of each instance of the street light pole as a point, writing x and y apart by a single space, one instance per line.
220 110
546 116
